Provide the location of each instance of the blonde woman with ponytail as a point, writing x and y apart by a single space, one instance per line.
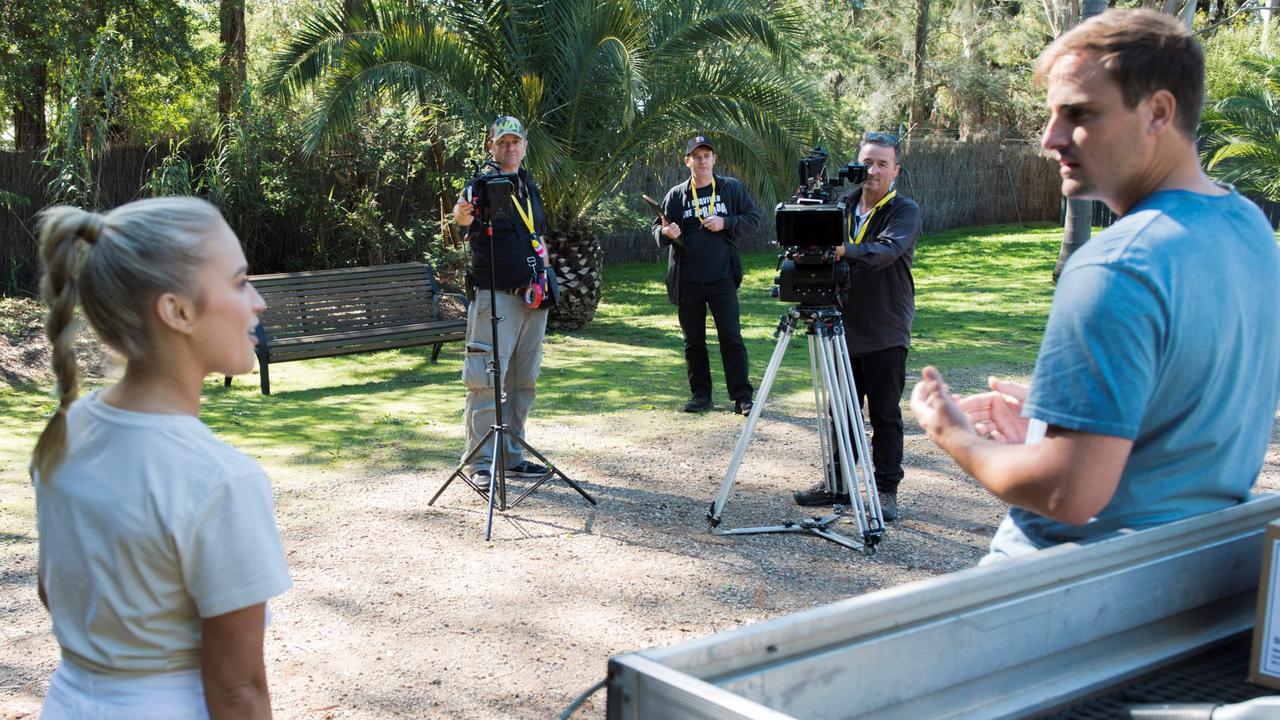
158 543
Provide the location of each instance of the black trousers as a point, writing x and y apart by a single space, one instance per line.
881 377
721 297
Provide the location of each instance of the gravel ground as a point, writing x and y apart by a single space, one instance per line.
400 610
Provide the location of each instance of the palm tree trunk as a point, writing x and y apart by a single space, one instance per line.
578 259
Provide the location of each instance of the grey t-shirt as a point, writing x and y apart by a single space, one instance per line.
150 524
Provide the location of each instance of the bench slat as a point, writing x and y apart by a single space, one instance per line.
320 275
324 313
336 347
373 334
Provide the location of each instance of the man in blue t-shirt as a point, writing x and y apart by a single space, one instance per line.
1157 381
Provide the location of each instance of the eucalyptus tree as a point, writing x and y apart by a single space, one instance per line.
602 85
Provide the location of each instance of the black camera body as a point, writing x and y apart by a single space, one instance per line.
491 191
809 228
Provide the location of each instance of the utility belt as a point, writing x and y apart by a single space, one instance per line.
541 292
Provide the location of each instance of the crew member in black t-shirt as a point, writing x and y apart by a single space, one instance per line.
706 216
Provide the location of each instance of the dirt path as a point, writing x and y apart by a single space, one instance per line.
401 610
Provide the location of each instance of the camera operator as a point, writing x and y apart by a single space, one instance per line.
518 249
705 217
878 307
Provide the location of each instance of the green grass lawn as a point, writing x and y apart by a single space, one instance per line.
982 297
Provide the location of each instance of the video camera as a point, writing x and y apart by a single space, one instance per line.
490 190
809 229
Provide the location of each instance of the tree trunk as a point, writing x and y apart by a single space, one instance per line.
1267 12
1079 221
30 128
232 35
449 234
917 72
577 258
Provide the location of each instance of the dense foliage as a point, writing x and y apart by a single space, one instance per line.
359 119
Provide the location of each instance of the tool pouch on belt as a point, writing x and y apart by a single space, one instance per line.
542 290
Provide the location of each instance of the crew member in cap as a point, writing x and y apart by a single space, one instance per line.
878 307
706 217
518 251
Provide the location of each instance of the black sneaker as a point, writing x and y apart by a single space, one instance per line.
819 495
742 407
888 506
528 469
697 404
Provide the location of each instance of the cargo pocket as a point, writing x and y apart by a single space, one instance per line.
475 366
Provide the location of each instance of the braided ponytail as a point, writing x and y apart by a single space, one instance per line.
114 266
62 255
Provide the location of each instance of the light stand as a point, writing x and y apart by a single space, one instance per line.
496 492
837 405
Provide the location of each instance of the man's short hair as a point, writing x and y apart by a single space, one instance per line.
883 139
1144 51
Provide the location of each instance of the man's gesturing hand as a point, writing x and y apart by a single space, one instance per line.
935 408
715 223
998 414
672 231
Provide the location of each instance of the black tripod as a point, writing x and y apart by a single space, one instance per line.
496 491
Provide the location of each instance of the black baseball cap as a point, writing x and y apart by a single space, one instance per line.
695 141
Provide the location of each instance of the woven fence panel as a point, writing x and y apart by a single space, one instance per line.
956 184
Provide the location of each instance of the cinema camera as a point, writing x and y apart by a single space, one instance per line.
810 227
491 191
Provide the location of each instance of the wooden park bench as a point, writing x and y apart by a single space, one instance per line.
325 313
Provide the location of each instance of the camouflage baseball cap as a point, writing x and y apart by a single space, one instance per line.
506 125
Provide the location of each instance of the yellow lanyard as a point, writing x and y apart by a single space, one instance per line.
865 223
526 217
711 211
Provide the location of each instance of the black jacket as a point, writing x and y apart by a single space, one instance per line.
881 300
511 243
741 218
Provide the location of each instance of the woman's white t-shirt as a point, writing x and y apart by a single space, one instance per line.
150 524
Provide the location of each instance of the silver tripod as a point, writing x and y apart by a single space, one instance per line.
837 405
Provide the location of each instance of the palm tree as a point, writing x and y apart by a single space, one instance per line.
600 84
1240 134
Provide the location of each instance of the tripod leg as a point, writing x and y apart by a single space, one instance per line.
497 475
841 406
822 402
762 396
875 516
554 472
457 472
